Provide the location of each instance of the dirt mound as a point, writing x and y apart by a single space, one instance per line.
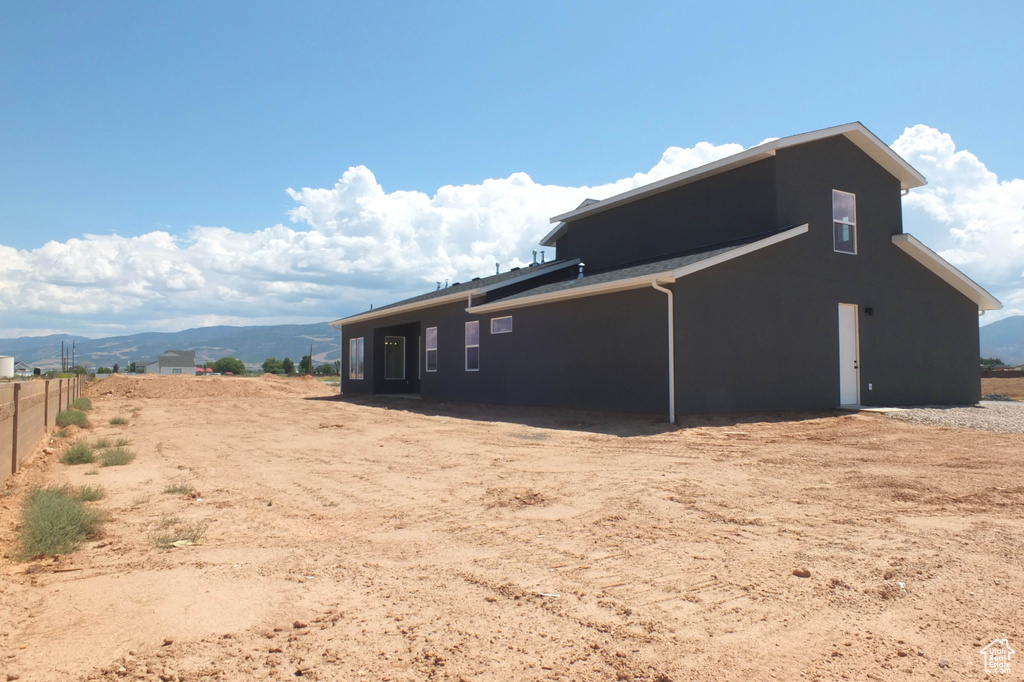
162 386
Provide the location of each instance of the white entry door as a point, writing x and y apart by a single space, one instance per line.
849 355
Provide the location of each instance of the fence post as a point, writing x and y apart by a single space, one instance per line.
46 405
14 445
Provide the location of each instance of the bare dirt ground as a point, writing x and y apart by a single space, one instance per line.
399 540
1013 388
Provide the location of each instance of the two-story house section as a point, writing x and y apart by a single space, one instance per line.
776 278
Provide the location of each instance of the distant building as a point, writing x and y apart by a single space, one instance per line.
173 362
22 369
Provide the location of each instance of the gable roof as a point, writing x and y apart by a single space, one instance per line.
947 272
458 291
880 152
177 358
637 276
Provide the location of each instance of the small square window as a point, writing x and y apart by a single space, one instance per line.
844 222
501 325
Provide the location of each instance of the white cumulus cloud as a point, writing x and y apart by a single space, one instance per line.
355 243
973 219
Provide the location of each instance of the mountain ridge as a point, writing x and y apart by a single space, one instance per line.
252 345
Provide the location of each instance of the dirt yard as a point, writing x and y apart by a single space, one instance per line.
400 540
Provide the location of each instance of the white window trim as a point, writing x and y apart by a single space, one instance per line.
426 358
476 345
356 349
853 224
502 331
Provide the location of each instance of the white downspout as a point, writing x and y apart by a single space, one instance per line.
671 353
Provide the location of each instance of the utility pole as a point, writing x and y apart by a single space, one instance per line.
310 368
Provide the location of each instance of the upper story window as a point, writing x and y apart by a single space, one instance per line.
844 222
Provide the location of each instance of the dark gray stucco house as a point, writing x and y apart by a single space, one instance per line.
776 278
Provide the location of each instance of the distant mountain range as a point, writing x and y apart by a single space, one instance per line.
251 345
1004 340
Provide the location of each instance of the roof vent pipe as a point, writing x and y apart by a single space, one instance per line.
580 276
542 258
446 284
438 286
534 257
497 268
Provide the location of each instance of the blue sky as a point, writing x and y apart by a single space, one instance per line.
180 127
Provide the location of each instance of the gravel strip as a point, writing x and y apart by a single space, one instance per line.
988 415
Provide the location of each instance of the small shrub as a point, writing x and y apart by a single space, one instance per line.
81 404
115 457
102 443
122 442
180 535
54 521
60 433
179 487
73 418
78 452
91 493
140 500
118 421
93 472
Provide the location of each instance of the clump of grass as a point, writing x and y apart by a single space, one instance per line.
54 520
140 500
115 457
174 533
78 452
90 493
60 433
81 404
73 418
179 487
102 443
93 472
122 442
118 421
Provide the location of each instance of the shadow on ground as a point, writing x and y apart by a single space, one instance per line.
622 424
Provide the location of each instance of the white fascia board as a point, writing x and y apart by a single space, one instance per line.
946 271
666 277
740 251
880 152
393 310
575 292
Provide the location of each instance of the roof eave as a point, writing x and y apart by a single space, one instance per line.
408 307
946 271
856 132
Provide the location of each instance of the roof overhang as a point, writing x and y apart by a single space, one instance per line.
880 152
946 271
408 307
665 277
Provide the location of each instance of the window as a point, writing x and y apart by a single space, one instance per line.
501 325
473 346
431 349
394 357
355 358
844 222
176 370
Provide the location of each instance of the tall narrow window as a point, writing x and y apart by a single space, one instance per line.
473 346
844 222
355 358
431 349
394 357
